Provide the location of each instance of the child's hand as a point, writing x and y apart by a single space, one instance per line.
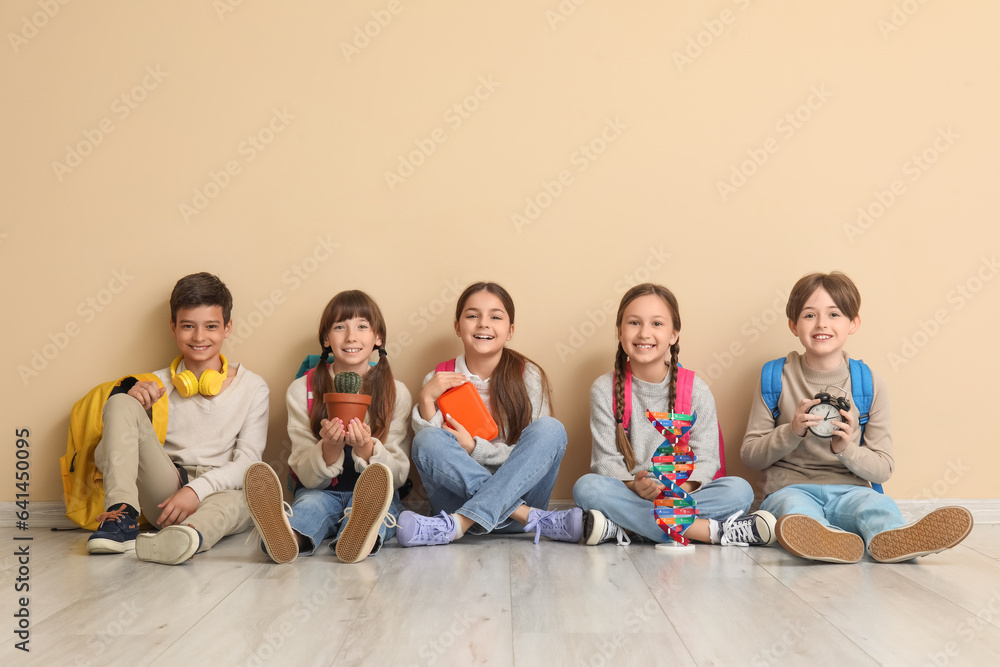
332 437
359 437
181 504
646 486
147 393
803 420
845 431
437 385
465 439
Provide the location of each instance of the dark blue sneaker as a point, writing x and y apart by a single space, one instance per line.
115 535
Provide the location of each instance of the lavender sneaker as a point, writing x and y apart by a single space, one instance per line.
562 525
416 530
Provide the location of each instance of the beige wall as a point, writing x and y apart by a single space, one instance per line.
721 148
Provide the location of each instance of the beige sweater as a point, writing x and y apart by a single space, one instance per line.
784 458
306 458
226 433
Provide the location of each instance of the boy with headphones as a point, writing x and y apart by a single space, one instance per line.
188 487
818 456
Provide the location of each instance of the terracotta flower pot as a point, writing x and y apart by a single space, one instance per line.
347 406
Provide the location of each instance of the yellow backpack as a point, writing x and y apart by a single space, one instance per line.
83 484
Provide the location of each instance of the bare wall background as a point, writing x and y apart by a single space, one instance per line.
564 149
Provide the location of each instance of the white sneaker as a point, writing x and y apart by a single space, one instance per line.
744 530
171 546
598 528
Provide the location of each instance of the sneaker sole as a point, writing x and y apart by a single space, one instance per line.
171 546
372 497
594 524
942 529
806 537
104 546
262 491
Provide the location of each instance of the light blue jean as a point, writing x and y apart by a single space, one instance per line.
719 500
856 509
317 514
456 483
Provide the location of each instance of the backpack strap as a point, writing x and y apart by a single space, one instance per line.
309 390
683 404
445 367
863 393
770 385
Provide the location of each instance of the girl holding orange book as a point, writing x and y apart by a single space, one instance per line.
479 485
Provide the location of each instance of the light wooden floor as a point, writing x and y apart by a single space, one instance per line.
503 601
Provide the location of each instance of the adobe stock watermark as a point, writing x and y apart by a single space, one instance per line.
454 117
956 299
697 44
579 334
900 15
106 637
562 12
121 108
441 305
757 156
913 169
224 7
440 645
87 311
249 150
953 474
282 629
366 33
294 276
32 24
777 652
750 332
581 159
967 630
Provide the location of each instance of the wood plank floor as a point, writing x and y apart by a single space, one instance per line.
503 601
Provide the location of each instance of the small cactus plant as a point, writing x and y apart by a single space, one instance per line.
347 383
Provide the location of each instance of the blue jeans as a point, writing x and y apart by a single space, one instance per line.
719 499
856 509
456 483
317 514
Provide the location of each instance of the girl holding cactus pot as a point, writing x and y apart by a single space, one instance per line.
347 475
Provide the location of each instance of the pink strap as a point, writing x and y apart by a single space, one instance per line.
309 390
445 367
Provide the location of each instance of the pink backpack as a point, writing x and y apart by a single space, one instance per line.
685 387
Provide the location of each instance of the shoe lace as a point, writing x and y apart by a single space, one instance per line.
616 532
738 531
255 534
389 520
539 520
429 527
112 515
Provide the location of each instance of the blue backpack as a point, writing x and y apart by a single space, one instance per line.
862 391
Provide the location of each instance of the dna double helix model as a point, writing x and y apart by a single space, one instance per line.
674 509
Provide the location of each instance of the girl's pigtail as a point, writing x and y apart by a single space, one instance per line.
381 386
621 438
321 384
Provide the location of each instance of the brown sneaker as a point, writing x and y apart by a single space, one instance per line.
372 496
941 529
806 537
262 491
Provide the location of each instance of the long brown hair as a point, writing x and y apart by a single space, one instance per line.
621 360
378 381
509 402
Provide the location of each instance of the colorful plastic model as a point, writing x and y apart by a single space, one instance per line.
674 509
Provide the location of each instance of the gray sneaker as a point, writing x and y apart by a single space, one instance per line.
744 530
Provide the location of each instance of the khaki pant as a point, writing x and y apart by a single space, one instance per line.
137 471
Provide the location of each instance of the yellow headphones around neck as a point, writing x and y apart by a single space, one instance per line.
188 385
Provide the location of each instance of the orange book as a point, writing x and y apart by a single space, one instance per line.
466 406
